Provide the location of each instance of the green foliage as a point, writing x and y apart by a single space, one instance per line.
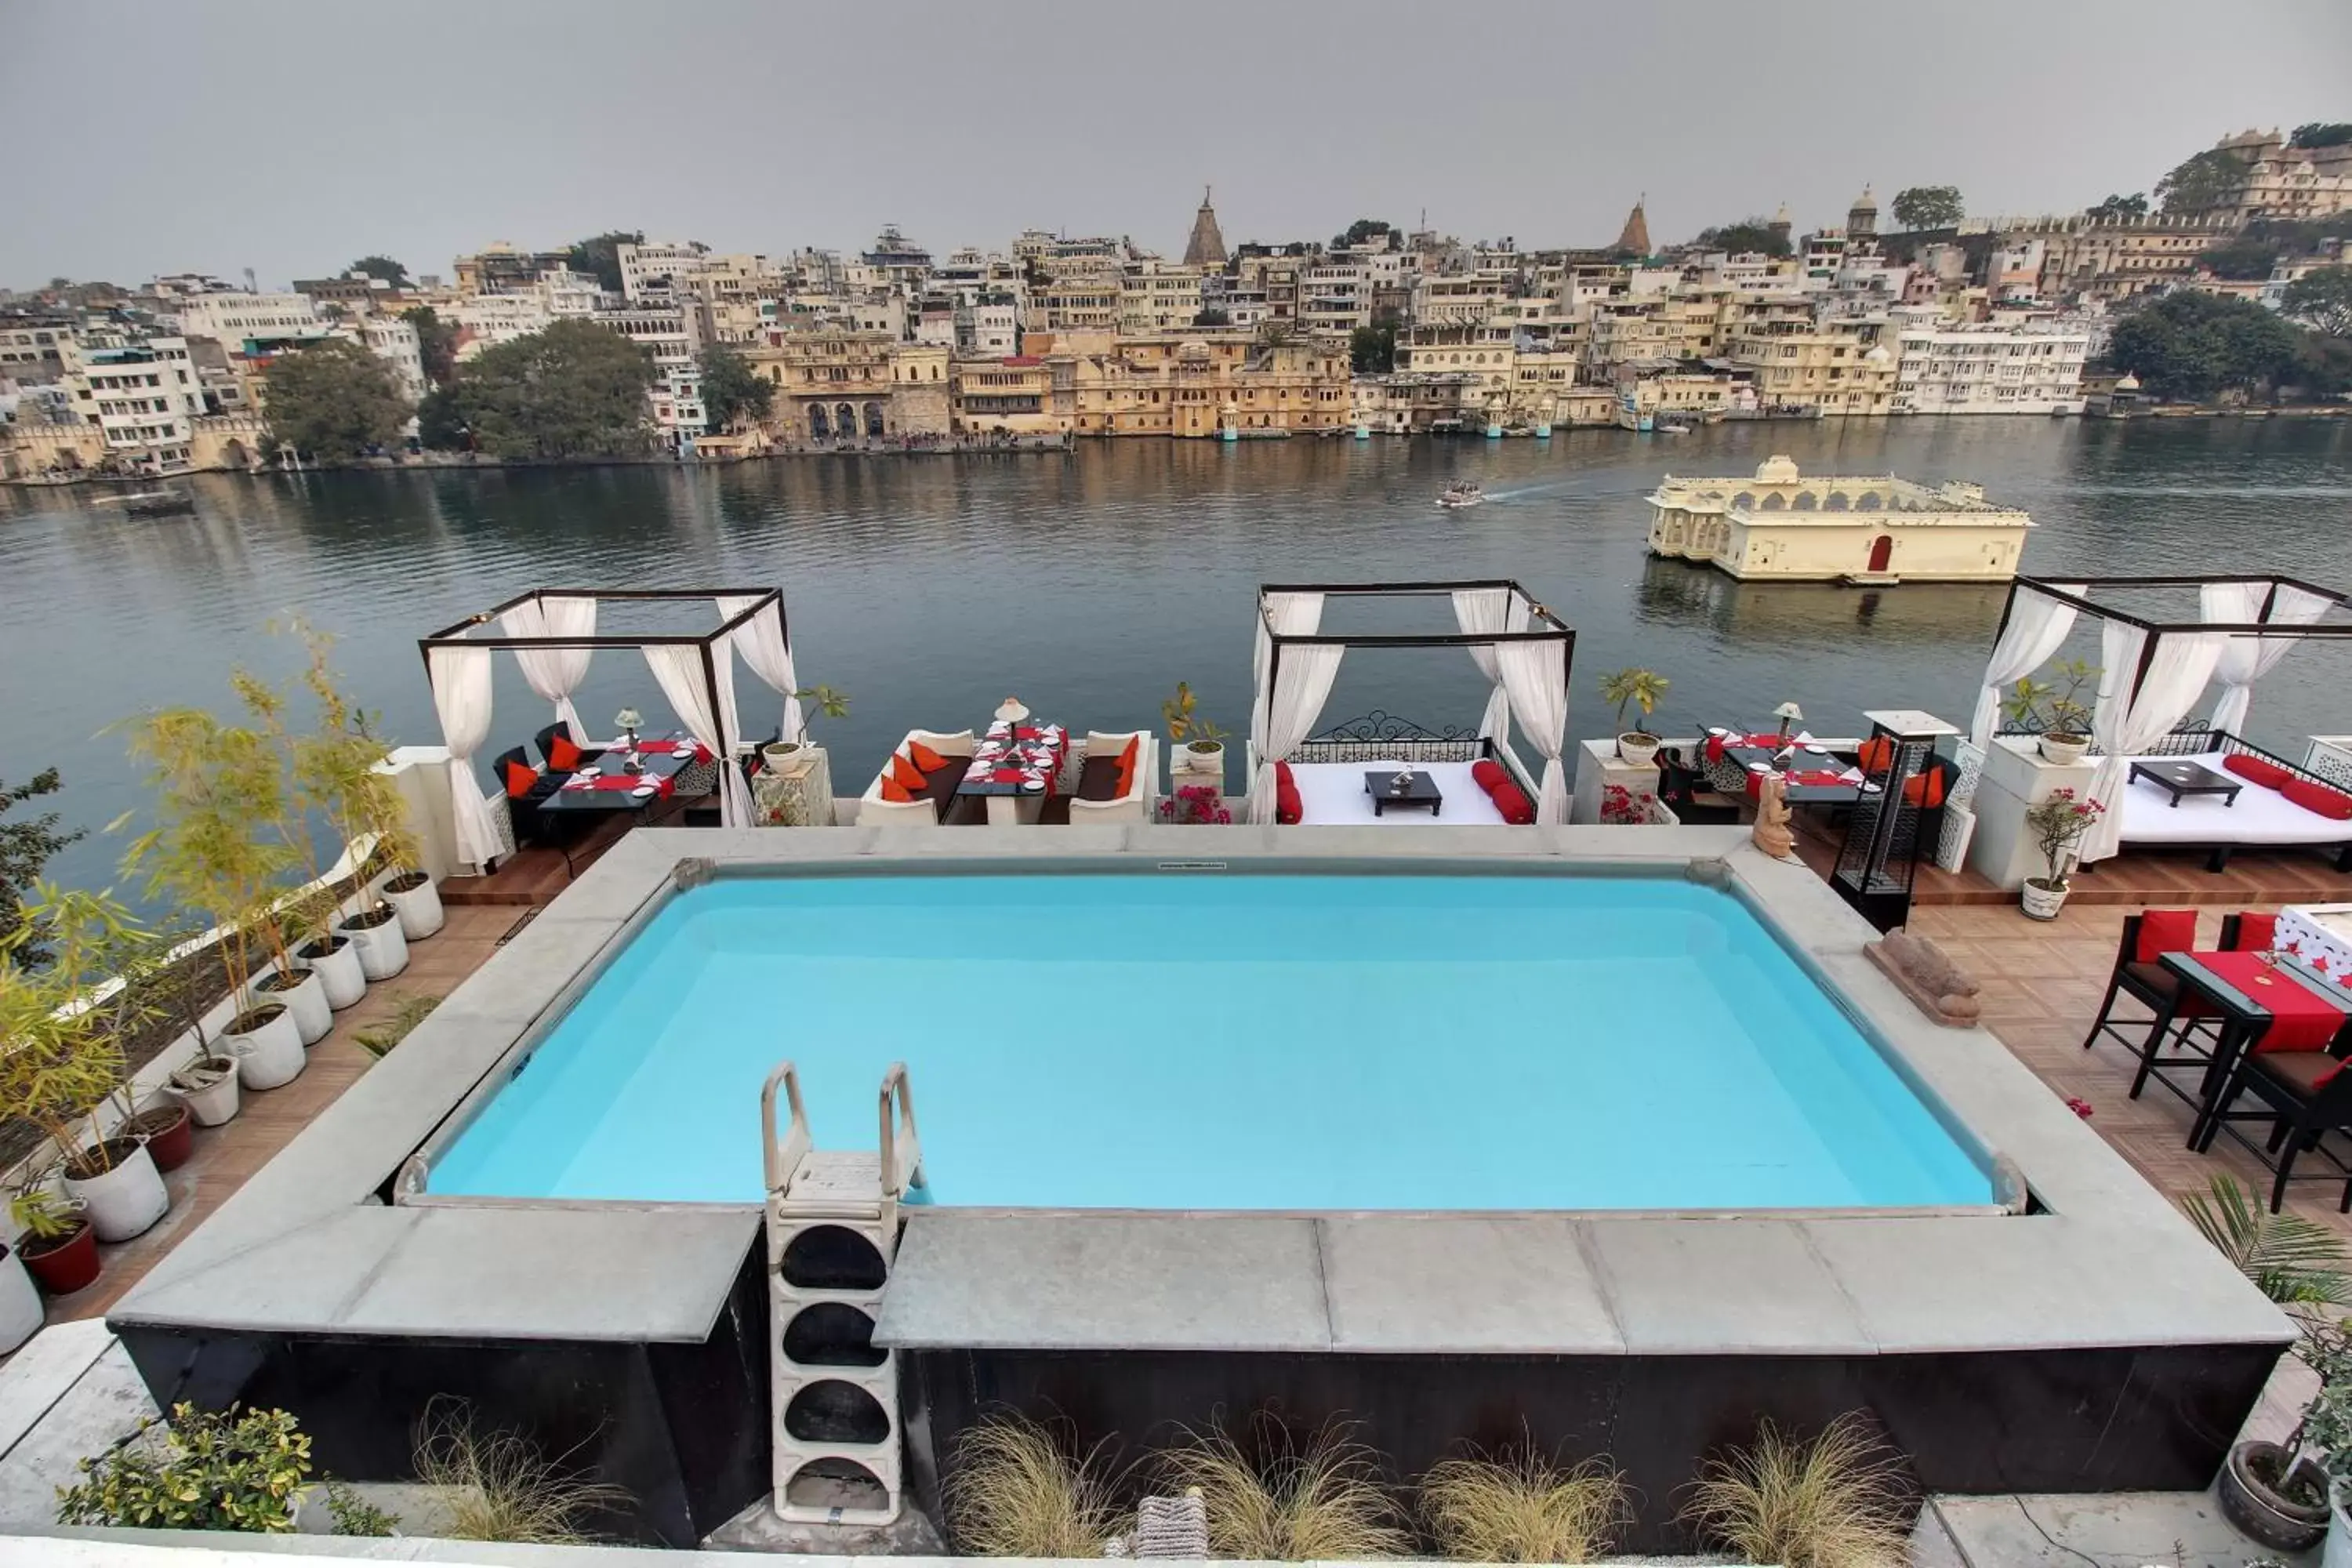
2322 300
498 1487
1372 351
2323 367
1213 316
40 1211
2207 180
2322 133
2056 823
436 343
2054 707
1363 229
26 846
208 1472
1183 723
2290 1259
828 703
731 389
1927 206
63 1026
408 1012
574 390
2242 259
599 256
2192 345
1749 236
354 1515
1634 688
441 424
2133 207
382 267
334 400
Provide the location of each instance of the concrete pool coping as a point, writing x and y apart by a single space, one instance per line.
308 1246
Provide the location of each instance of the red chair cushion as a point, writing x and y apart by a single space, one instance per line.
2257 929
1289 807
1126 769
896 794
1874 755
520 779
2165 931
2256 770
2315 797
924 758
1926 789
562 754
906 775
1486 772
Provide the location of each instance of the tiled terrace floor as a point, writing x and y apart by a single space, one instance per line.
267 1122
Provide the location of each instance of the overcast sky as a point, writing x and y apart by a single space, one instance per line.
290 136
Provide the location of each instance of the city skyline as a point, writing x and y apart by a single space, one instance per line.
538 128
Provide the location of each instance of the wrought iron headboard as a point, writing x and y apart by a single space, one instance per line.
1378 736
2187 738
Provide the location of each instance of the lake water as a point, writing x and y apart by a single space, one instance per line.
1089 583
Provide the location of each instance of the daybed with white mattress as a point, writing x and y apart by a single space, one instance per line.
2261 817
1332 793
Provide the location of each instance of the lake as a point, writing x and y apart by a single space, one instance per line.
1089 583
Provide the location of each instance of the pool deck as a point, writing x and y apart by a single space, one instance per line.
307 1246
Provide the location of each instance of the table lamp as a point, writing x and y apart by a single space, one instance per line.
1789 713
1011 711
627 720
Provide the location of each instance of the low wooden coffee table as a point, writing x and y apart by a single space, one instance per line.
1378 783
2177 779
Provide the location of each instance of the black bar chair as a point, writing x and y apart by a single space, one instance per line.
2155 987
2305 1095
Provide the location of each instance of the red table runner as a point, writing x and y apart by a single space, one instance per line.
664 748
2302 1019
662 788
1716 743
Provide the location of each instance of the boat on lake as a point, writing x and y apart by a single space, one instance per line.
158 503
1459 494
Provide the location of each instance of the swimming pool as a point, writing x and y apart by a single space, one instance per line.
1224 1041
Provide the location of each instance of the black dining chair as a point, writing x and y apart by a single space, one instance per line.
560 831
2306 1096
2156 988
1691 797
546 740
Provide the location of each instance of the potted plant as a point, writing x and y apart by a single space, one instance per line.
61 1052
208 1085
338 772
1204 740
21 1312
787 755
53 1239
216 786
1635 689
2055 709
2056 823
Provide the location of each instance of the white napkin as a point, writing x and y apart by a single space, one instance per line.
1852 776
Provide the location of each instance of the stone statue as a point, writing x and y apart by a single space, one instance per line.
1771 834
1937 986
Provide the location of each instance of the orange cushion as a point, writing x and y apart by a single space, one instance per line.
2315 797
2256 770
562 754
2165 931
1875 755
923 757
1926 789
520 779
904 774
896 793
1126 753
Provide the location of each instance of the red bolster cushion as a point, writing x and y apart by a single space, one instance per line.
1289 808
2315 797
2256 770
2165 931
1486 772
1509 799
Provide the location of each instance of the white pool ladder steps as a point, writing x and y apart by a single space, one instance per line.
832 1221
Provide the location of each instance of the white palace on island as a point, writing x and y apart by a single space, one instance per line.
1872 530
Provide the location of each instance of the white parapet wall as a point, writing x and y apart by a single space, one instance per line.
422 774
2015 777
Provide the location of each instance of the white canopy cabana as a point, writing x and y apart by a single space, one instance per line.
552 634
1521 647
2152 672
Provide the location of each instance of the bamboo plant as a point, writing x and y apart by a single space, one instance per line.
336 770
63 1026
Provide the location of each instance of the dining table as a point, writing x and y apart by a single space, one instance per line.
1016 767
607 784
1814 774
2265 1001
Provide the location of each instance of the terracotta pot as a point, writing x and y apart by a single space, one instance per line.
169 1132
63 1264
21 1314
335 960
124 1199
418 903
383 951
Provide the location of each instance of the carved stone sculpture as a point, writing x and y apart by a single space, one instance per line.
1771 832
1937 986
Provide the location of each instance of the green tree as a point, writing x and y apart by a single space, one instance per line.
2322 133
731 389
26 846
2194 345
574 390
1372 351
382 267
2322 300
2248 257
436 343
334 400
2207 180
2323 365
441 423
599 256
1927 206
1363 229
2130 208
1213 316
1748 235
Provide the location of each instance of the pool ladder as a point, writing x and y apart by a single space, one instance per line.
832 1220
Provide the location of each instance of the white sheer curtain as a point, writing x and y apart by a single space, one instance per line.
709 715
555 673
1535 675
461 698
1480 610
2126 726
2037 626
1292 614
2246 659
1299 687
767 655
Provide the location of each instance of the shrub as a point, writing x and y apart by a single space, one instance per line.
1016 1491
408 1012
1523 1508
1323 1501
209 1472
497 1486
1834 1502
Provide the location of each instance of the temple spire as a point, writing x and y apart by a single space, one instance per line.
1634 237
1207 246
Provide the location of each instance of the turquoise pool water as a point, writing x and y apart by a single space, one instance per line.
1224 1041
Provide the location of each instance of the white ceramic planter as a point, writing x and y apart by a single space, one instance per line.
213 1104
338 971
2042 903
306 1000
383 951
2065 754
21 1314
419 908
1637 749
124 1202
267 1055
2337 1553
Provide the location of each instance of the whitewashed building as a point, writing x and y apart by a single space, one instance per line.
395 341
231 317
1867 529
1990 370
142 393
